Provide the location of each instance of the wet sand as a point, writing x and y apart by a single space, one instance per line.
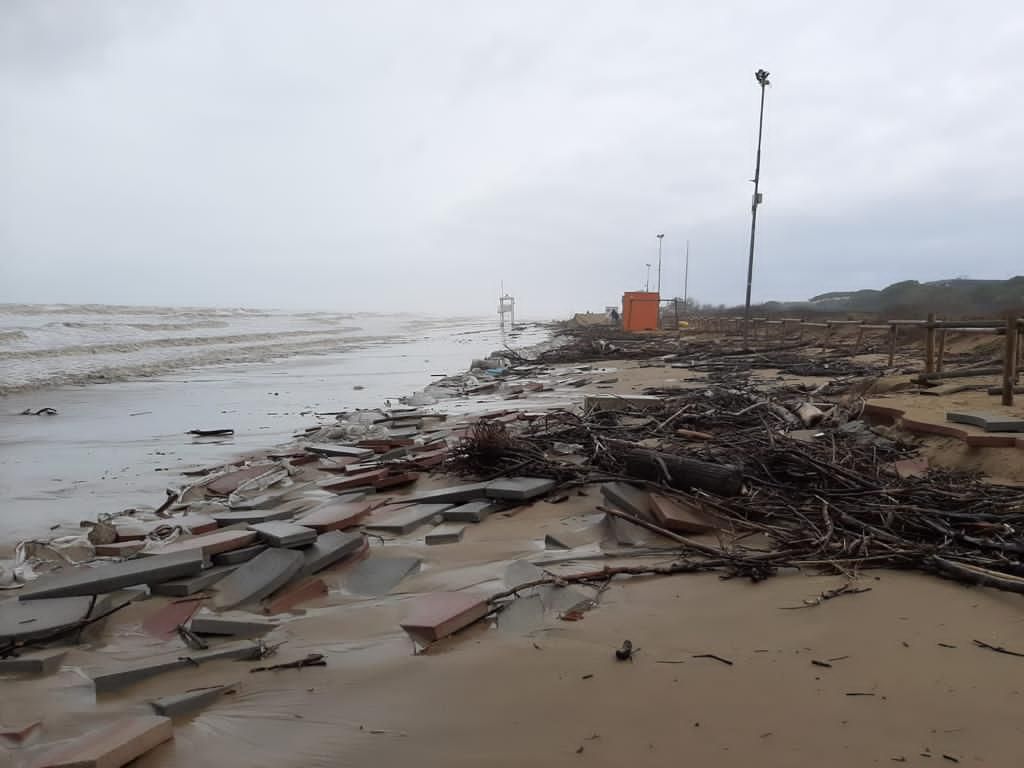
556 695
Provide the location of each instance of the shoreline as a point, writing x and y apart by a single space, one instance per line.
554 675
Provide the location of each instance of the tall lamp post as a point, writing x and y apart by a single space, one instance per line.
660 238
647 285
686 279
762 78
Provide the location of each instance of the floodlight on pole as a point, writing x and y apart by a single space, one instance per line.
647 285
762 79
660 238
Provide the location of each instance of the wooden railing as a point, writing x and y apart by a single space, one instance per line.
934 333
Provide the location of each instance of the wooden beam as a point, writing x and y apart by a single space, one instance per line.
1010 360
929 345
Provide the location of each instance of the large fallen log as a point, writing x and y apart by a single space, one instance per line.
684 473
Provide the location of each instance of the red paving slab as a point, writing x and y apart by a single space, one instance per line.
679 516
164 621
290 596
438 614
211 543
335 516
228 483
111 747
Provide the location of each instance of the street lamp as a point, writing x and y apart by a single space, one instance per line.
762 79
660 238
647 285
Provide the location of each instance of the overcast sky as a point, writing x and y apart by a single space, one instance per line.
384 155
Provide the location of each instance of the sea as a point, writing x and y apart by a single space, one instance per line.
128 383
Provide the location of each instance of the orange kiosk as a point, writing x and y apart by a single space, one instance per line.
640 310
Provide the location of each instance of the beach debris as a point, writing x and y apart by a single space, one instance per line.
20 736
111 747
404 520
190 702
680 515
40 412
446 533
262 576
83 580
379 575
990 422
335 515
325 449
34 662
211 432
471 512
716 657
311 660
288 597
997 649
191 639
625 652
242 626
124 676
238 556
208 544
518 488
331 548
163 623
283 534
437 615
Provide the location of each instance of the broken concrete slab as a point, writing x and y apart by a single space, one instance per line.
106 578
562 599
190 586
281 534
518 488
328 549
263 575
120 548
209 544
288 597
446 533
453 494
439 614
379 575
406 519
326 449
123 676
522 615
228 483
521 572
572 539
165 620
40 662
472 512
628 498
680 516
241 626
990 422
250 516
39 618
363 481
627 534
111 747
335 515
238 556
189 703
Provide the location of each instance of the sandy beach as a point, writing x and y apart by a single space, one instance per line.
725 672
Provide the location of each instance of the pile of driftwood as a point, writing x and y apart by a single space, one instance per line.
825 497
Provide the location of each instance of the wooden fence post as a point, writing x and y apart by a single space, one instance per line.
940 356
828 332
1010 360
892 344
929 345
860 338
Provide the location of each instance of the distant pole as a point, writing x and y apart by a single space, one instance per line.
686 279
660 238
647 285
762 78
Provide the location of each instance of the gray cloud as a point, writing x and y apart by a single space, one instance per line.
377 155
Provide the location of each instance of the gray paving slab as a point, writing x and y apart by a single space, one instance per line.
239 556
523 615
42 662
519 488
250 516
83 580
241 625
327 449
990 422
453 494
521 572
191 585
472 512
121 677
379 575
261 576
328 549
407 519
38 618
281 534
189 703
446 533
635 501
